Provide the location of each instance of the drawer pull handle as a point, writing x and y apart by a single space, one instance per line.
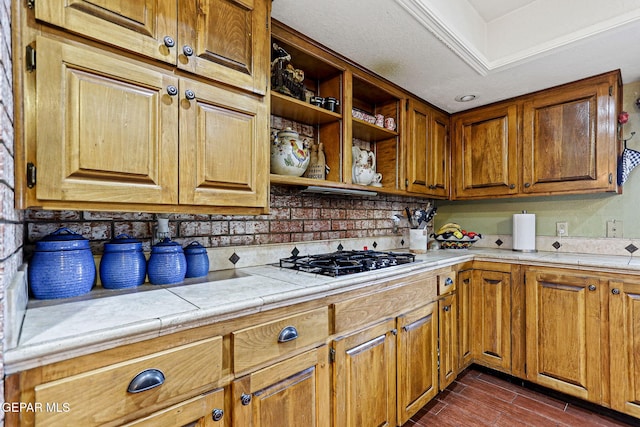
448 281
289 333
146 380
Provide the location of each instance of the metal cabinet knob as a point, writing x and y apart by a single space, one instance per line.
615 291
217 414
592 288
245 399
187 50
447 308
289 333
172 90
168 41
189 94
448 281
512 186
527 185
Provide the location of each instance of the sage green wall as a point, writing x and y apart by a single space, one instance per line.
587 215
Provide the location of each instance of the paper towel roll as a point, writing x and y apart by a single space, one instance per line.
524 232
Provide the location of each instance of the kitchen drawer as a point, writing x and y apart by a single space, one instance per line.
206 410
100 396
446 283
416 291
261 343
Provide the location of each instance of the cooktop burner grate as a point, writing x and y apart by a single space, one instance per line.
346 262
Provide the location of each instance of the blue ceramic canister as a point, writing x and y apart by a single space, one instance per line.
62 266
123 264
197 260
167 263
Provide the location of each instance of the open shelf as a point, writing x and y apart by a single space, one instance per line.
300 111
370 132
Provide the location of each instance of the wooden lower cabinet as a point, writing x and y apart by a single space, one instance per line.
206 410
491 319
465 355
294 392
417 366
364 377
624 346
564 336
447 340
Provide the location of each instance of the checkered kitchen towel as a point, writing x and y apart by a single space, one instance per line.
628 161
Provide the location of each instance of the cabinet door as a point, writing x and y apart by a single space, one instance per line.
417 360
485 161
223 147
428 153
204 411
138 26
563 336
226 40
569 139
465 357
107 130
448 340
491 319
294 393
624 319
365 377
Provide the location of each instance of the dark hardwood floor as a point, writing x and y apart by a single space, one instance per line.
480 398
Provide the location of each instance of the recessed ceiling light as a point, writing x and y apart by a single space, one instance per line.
465 98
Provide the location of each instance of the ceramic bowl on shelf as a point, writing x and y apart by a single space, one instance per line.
454 243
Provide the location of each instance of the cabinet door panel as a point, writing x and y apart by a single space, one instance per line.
485 152
107 129
567 139
448 340
294 392
465 355
417 360
563 335
226 37
223 147
438 166
365 378
624 322
138 26
491 318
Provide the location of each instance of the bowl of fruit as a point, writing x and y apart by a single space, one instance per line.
453 236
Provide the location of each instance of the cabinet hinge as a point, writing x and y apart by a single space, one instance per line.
31 4
610 90
332 355
610 178
30 58
31 175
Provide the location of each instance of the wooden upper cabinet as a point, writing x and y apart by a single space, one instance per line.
565 332
107 130
485 152
221 39
569 138
216 39
223 155
147 27
428 151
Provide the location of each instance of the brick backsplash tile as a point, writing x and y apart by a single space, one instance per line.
195 228
137 229
333 213
131 216
286 226
42 215
219 227
307 212
327 235
257 227
241 240
316 225
237 227
220 241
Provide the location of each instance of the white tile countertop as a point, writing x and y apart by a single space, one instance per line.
58 331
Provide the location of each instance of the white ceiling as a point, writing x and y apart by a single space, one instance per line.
494 49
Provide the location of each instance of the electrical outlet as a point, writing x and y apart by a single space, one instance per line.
562 229
614 228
